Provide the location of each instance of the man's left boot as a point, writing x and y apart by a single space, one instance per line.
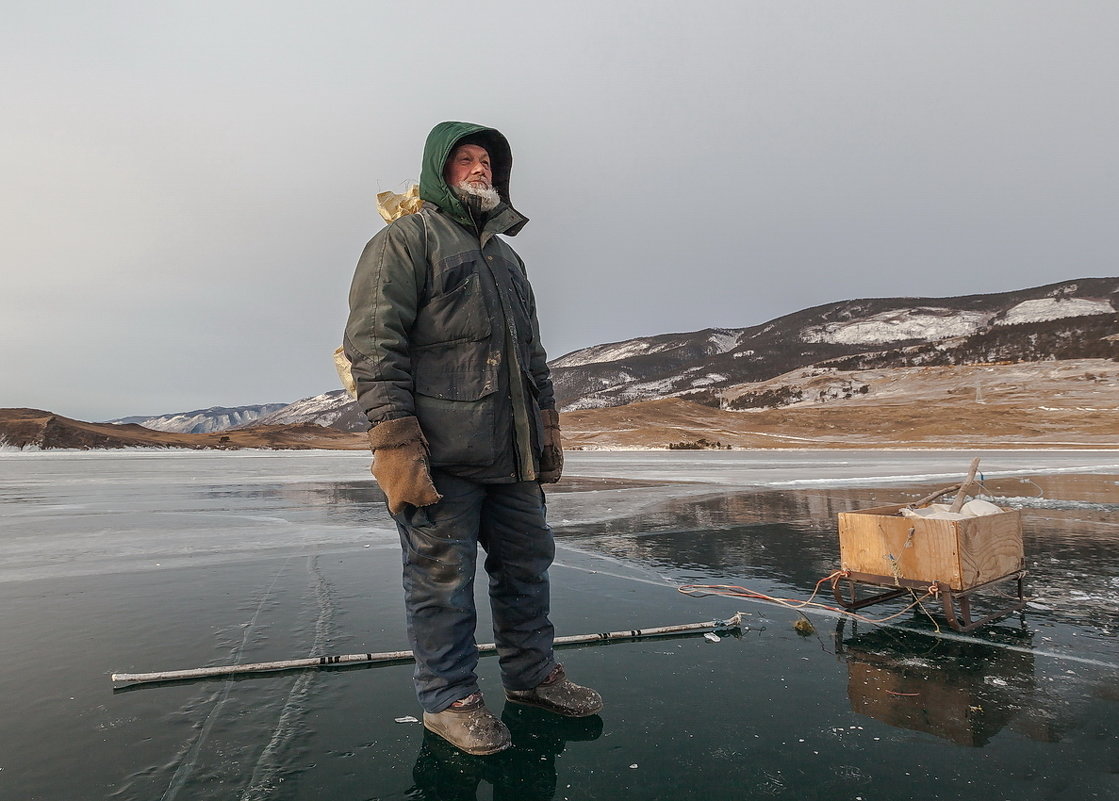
557 694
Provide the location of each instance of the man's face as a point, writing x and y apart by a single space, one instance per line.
469 163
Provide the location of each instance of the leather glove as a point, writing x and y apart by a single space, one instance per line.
551 457
400 464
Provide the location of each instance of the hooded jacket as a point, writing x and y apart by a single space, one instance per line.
443 324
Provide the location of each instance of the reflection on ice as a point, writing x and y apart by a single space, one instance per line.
526 772
962 691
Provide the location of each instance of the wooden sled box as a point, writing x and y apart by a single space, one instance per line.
887 548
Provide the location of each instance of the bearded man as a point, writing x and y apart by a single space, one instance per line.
447 362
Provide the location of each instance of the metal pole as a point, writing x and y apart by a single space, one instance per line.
124 679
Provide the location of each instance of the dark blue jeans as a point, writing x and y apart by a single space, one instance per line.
440 551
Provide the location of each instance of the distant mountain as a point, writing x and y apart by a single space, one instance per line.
1072 319
334 409
37 429
202 421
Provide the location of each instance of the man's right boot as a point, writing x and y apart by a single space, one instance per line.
469 726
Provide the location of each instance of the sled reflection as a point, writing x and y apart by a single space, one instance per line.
965 692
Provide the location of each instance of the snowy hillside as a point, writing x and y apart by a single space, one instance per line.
1073 319
202 421
334 409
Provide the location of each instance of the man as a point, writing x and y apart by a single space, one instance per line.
448 366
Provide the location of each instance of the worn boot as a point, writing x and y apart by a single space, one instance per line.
558 695
469 726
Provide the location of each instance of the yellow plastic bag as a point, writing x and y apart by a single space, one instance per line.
393 206
342 365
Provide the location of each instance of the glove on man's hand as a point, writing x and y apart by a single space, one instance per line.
551 459
400 463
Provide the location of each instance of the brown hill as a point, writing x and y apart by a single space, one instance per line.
673 422
1038 405
36 428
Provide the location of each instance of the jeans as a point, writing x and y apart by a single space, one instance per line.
440 550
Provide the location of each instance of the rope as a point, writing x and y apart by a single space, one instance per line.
735 591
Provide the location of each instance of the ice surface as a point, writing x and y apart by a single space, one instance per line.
813 468
150 560
89 512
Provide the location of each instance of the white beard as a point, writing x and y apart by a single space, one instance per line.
483 198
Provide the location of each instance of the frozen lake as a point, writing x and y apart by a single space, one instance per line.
146 560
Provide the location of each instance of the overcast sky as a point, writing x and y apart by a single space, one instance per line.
186 187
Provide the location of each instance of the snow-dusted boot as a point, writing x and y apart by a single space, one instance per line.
469 726
558 695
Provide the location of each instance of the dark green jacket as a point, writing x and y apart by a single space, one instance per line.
443 325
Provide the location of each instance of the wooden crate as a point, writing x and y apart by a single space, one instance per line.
959 554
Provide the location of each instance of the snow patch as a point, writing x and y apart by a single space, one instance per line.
710 378
897 325
611 353
723 340
623 394
1037 311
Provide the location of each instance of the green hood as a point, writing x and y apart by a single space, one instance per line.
440 142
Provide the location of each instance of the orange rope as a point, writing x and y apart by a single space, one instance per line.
735 591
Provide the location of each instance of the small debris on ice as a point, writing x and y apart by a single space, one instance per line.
712 637
407 719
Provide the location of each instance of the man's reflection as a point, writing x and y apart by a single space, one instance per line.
525 772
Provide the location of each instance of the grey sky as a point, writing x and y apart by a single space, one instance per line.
187 186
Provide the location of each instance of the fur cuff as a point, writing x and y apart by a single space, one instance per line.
396 434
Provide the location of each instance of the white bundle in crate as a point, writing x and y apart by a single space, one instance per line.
976 507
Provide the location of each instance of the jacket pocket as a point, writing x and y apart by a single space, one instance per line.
453 316
463 372
459 433
455 403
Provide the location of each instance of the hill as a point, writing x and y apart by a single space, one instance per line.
1069 320
38 429
1068 404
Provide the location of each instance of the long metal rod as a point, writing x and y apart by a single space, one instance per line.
123 679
